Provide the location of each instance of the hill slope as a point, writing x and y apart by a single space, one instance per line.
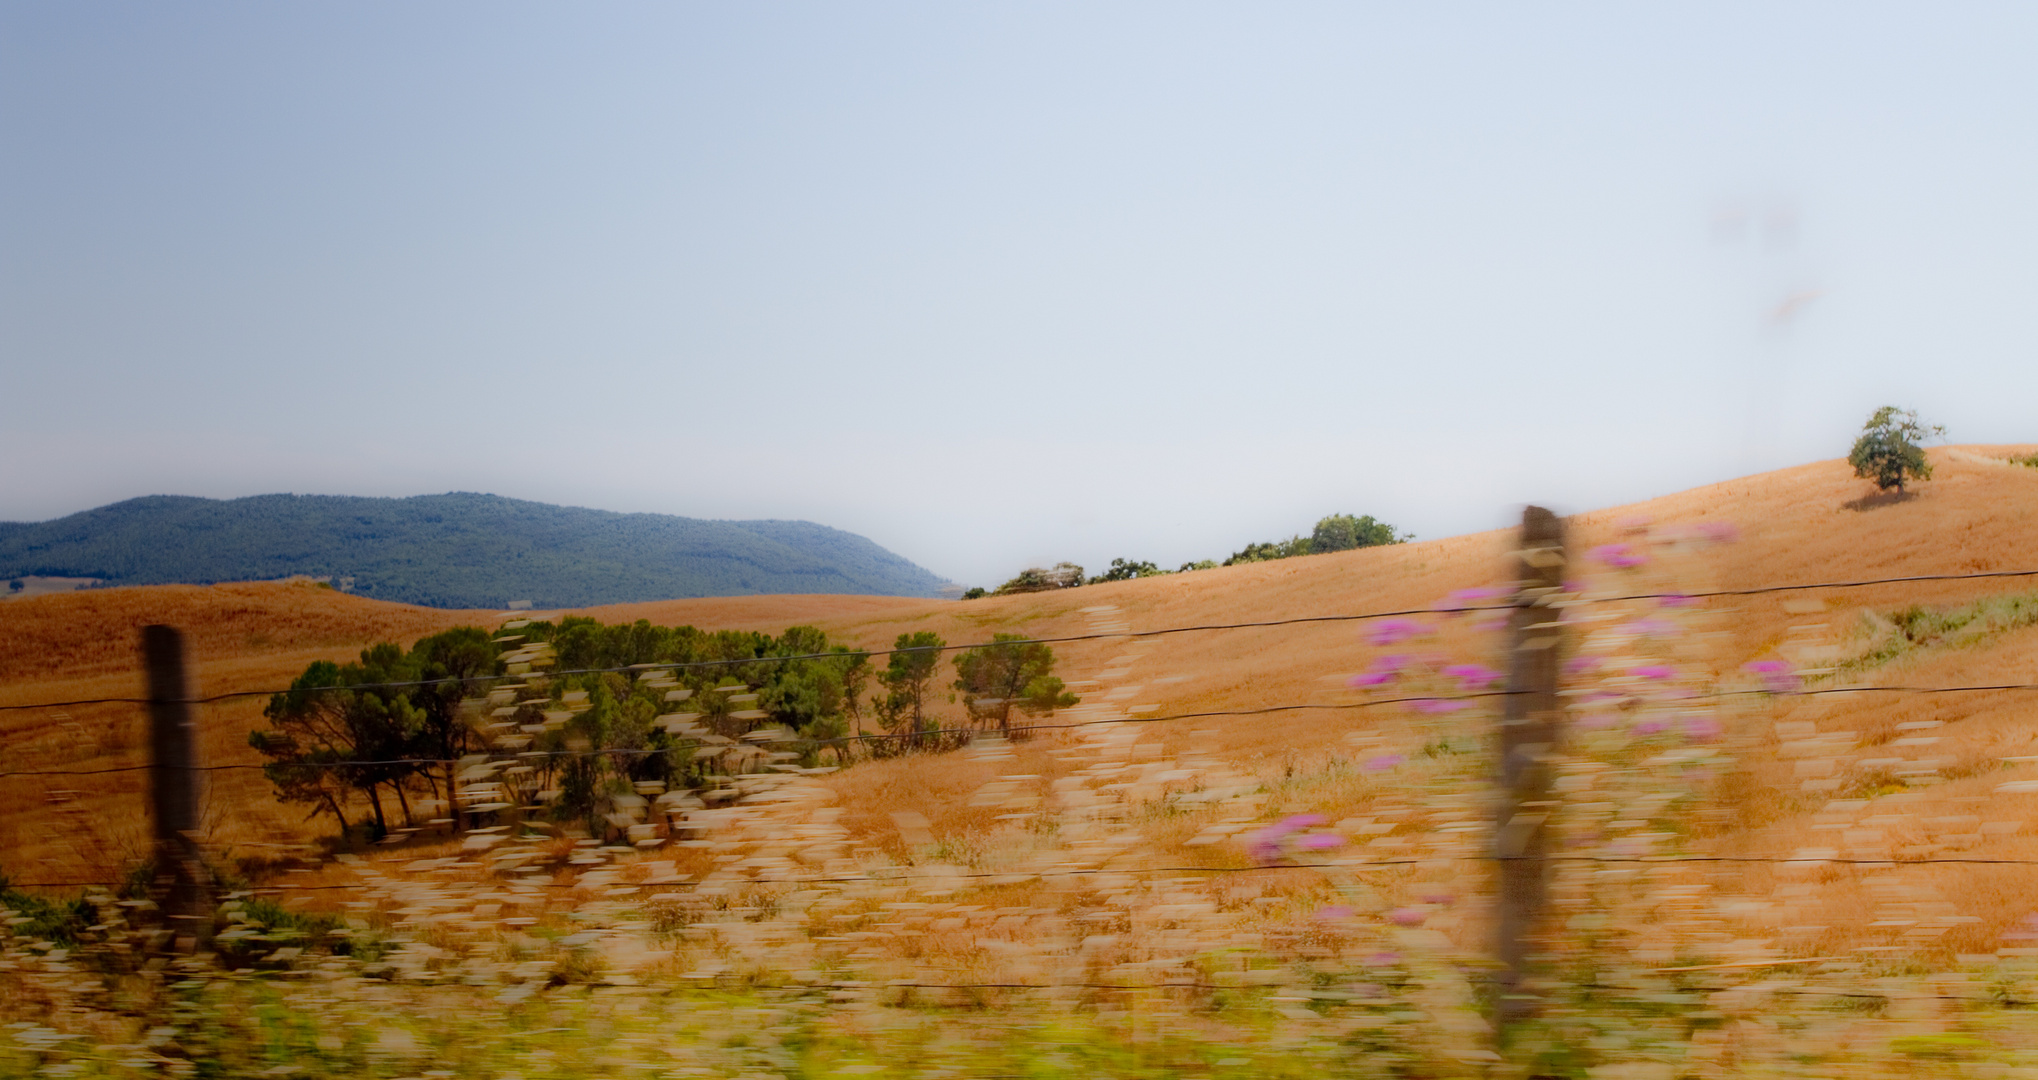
454 550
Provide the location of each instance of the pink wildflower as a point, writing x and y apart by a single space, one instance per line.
1384 670
1265 844
1468 599
1473 676
1384 762
1655 671
1393 631
1619 556
1322 841
1777 678
1407 916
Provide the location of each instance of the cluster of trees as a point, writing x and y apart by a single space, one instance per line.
615 709
1011 673
375 726
1337 532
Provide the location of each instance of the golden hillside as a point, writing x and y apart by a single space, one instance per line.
1806 524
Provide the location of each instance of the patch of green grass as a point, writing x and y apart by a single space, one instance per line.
1900 633
61 921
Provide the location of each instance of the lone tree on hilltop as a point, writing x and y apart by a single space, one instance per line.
1888 452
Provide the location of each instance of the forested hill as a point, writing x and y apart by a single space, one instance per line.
456 550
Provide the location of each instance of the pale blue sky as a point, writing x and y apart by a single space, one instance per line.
1004 284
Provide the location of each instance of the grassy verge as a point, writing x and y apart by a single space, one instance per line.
1898 634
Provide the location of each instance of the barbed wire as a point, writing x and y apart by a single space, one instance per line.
906 738
901 737
847 653
910 737
844 654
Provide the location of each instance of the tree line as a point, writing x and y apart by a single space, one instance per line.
1336 532
593 715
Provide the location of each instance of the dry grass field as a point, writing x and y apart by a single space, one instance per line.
1070 826
1805 524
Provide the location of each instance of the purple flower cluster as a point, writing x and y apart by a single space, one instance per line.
1395 631
1468 598
1383 671
1269 844
1777 678
1473 677
1619 556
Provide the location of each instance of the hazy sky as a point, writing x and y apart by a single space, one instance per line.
1003 284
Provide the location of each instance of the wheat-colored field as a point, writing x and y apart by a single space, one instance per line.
1807 524
1855 786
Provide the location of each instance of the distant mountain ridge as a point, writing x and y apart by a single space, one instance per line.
454 550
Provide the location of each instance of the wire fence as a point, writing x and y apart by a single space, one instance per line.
1572 599
1071 638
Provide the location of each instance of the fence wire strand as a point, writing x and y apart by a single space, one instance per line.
1066 639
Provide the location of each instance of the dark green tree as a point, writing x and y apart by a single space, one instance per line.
452 664
902 708
1266 551
341 727
1343 532
1011 672
1888 452
1126 570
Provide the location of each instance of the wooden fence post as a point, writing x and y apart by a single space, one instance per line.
1529 730
174 787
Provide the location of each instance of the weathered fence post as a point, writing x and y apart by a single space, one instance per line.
1529 730
174 788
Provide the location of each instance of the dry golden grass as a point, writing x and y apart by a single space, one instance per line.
1082 870
1796 525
